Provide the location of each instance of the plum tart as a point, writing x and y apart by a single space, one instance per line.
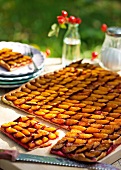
11 60
29 132
82 98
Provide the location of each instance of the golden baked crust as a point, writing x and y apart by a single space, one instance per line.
12 60
82 98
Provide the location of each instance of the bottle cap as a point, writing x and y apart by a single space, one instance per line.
114 31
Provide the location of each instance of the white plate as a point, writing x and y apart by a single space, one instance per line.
14 84
21 77
19 81
38 58
10 86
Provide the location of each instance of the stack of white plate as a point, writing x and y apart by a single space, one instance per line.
26 73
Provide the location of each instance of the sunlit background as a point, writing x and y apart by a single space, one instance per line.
29 21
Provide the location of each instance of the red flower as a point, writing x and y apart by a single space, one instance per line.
78 20
94 55
61 19
104 27
47 52
64 13
72 19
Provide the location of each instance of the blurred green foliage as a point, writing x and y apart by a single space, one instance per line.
29 21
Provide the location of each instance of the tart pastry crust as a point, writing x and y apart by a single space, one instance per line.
82 98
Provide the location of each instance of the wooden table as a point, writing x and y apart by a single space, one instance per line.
6 111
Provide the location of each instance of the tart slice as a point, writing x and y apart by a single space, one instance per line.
29 132
87 147
11 60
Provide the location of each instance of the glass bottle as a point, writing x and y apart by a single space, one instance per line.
71 45
111 49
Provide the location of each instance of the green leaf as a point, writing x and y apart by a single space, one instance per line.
54 30
63 26
57 31
54 26
51 33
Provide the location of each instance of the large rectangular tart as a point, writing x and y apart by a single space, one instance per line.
82 98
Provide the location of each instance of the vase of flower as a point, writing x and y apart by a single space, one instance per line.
71 45
71 40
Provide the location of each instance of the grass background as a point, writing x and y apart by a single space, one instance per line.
29 21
